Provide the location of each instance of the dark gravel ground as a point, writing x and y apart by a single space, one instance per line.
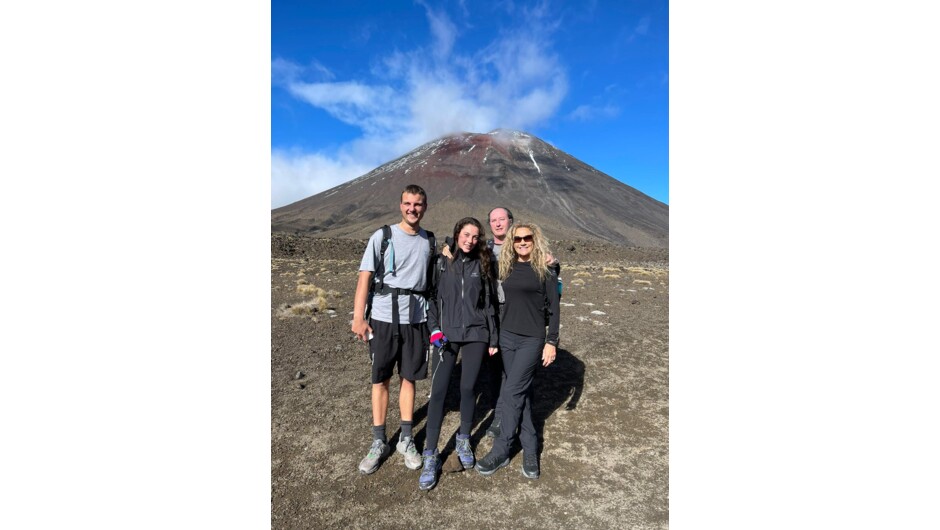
602 409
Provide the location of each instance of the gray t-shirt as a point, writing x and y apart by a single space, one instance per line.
406 264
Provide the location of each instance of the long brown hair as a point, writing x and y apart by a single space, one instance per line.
508 256
479 250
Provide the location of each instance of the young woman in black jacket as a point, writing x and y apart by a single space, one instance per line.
462 318
530 290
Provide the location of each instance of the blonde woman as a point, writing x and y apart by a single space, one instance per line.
531 301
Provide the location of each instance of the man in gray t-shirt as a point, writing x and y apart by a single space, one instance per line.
395 339
408 273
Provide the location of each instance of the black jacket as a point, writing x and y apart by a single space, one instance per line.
459 305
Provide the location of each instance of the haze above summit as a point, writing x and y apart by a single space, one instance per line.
354 88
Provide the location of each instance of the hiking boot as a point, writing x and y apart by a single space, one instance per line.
464 453
373 459
493 430
432 464
406 446
530 465
488 465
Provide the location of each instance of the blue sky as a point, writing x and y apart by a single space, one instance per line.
357 84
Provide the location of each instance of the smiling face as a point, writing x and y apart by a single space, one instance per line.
467 238
499 223
412 208
523 243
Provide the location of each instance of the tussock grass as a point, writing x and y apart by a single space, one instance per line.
310 307
611 276
642 282
610 269
307 308
582 273
648 273
578 281
310 289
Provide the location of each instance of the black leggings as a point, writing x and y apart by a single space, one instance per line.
471 357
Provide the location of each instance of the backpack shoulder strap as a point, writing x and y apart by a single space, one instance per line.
432 242
380 266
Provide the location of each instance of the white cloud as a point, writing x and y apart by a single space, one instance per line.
444 31
594 112
368 107
295 176
415 96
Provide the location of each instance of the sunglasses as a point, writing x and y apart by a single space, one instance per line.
518 239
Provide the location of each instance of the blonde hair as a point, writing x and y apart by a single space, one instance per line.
508 256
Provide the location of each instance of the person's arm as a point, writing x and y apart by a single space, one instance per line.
550 350
360 327
554 318
446 249
434 316
490 313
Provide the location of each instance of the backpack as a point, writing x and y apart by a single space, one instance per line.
378 278
557 268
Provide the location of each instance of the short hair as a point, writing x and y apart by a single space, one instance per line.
414 189
508 213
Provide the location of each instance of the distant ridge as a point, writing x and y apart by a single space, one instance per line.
470 173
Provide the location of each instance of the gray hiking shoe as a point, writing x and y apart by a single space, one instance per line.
373 459
530 465
406 446
432 464
464 453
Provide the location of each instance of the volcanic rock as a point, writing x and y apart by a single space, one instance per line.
468 174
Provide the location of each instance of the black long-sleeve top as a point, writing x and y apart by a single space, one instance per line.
527 301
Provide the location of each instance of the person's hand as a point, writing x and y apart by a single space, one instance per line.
550 260
493 350
446 251
361 329
548 354
438 339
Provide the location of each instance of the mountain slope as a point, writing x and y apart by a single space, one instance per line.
468 174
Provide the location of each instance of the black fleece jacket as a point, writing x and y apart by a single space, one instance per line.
458 304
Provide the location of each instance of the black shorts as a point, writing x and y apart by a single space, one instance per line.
409 350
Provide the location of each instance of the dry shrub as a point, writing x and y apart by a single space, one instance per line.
610 276
307 308
582 273
642 282
305 288
610 269
651 273
578 282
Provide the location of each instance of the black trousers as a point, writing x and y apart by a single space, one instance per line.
471 354
521 356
